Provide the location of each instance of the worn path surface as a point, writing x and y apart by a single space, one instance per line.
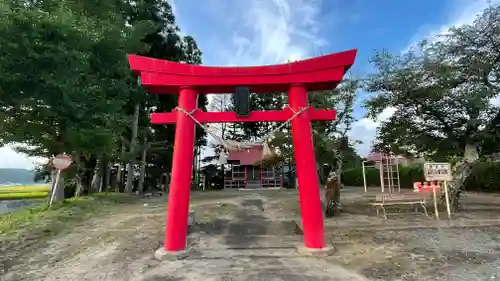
236 238
251 236
252 246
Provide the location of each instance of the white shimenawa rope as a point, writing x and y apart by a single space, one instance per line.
232 145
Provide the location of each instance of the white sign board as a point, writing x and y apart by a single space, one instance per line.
62 161
437 172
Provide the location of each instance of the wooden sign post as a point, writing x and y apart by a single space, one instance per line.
439 172
447 198
60 162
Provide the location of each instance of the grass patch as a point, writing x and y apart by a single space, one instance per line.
50 221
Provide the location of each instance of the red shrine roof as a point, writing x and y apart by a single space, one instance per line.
376 156
246 156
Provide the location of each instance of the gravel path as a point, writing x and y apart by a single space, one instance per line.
242 243
250 246
249 236
454 254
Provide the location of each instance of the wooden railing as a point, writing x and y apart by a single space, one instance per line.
268 182
234 183
272 182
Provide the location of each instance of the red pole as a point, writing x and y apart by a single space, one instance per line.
305 161
182 162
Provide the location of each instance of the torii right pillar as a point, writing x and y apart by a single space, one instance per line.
307 176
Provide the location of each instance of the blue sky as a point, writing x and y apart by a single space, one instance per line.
256 32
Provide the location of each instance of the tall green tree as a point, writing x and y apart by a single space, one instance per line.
163 41
62 88
442 93
68 87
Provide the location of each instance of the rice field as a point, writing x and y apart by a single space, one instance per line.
24 192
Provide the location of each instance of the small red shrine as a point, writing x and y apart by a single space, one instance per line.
245 174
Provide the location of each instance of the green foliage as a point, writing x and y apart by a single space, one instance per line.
214 176
441 92
484 178
354 177
330 140
66 83
271 101
59 84
410 174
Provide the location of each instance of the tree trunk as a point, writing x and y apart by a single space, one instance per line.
119 182
340 161
333 183
78 179
194 172
103 171
95 185
223 166
462 171
133 141
107 182
321 173
332 194
140 188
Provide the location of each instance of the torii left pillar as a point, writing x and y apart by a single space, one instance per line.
182 163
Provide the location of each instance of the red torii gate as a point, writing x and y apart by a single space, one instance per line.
296 78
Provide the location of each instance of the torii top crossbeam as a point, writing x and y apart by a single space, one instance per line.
166 77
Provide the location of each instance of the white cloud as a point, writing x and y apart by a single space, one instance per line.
269 31
174 6
460 13
496 101
12 159
365 130
272 31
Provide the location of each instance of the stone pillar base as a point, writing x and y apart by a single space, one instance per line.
161 254
319 253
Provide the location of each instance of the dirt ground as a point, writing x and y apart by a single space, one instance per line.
250 235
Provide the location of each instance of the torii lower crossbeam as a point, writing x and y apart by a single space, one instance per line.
254 116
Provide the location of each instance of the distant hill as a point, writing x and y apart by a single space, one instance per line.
16 176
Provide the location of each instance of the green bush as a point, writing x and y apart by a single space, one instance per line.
354 177
485 176
410 174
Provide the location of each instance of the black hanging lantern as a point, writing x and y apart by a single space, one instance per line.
242 101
